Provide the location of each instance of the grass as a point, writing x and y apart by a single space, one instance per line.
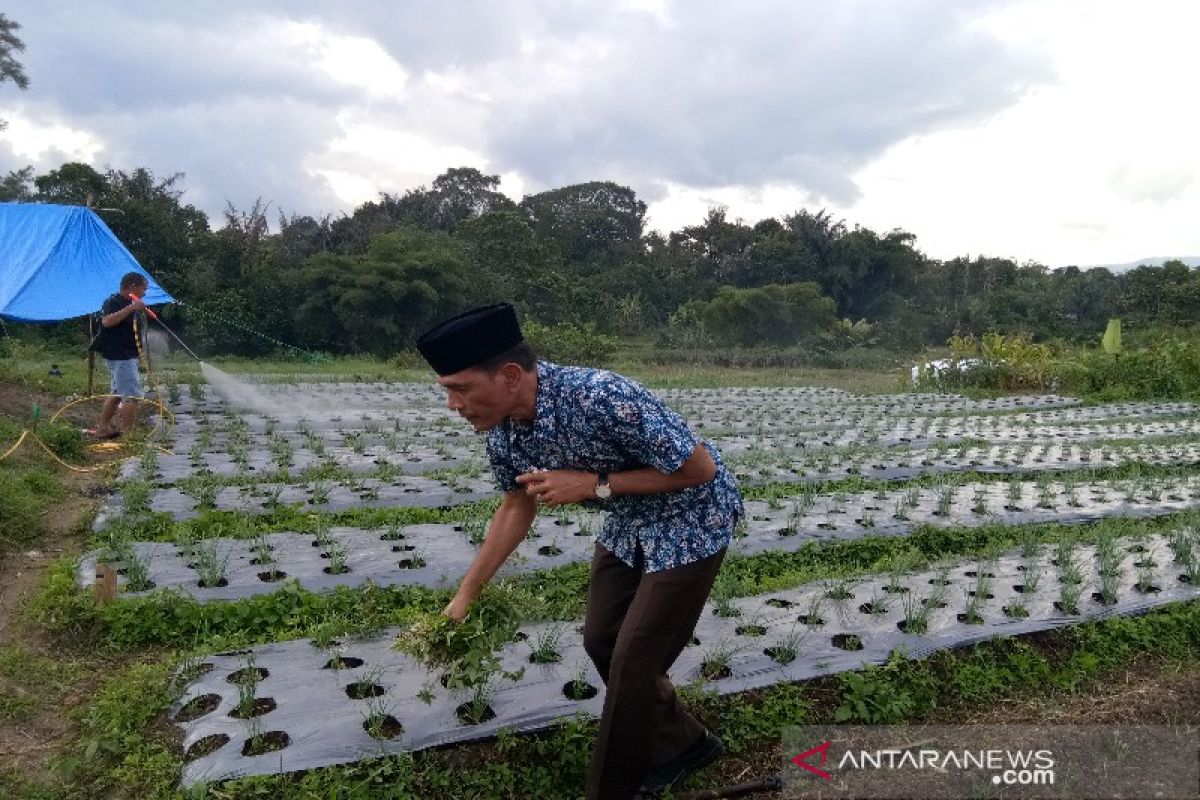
123 749
26 489
131 757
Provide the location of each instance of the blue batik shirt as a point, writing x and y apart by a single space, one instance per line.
597 421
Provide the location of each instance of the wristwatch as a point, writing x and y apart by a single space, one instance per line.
603 490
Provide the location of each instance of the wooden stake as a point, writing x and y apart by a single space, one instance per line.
106 584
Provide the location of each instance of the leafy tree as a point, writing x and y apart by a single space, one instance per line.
17 185
781 315
716 250
73 183
587 221
303 236
10 68
379 302
503 245
462 194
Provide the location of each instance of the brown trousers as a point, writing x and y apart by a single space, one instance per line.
636 626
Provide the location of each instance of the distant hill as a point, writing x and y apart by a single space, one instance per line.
1155 261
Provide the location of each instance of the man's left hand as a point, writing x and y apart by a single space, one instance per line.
558 487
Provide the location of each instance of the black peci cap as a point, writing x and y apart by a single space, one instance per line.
470 338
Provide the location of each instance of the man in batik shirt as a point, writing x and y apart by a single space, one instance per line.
556 435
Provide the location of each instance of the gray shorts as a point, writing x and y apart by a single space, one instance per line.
125 381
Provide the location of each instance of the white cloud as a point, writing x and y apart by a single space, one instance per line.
33 139
1096 168
354 60
1056 130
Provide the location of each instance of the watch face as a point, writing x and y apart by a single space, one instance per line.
604 491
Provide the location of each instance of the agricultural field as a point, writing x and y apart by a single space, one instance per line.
281 552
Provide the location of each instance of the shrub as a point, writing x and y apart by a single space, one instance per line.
569 344
65 441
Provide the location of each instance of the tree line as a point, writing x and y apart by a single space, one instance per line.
371 280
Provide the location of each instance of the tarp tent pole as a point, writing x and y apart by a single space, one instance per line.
91 356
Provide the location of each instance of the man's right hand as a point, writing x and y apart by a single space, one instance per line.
136 304
457 608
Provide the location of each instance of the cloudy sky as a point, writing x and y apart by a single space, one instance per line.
1060 131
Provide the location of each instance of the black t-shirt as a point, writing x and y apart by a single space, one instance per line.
117 343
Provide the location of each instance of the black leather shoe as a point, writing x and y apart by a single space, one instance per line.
707 749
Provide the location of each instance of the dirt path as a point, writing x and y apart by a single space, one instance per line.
40 681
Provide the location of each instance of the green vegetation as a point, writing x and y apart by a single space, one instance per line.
120 753
26 490
1166 366
805 289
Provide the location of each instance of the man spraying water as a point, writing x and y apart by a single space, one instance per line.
120 343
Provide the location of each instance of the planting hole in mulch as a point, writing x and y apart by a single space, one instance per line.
840 594
970 619
269 742
468 714
229 653
144 586
403 548
895 589
332 571
262 705
779 602
847 641
918 627
811 620
197 707
1147 588
929 602
217 584
343 662
1016 611
988 596
750 630
272 576
244 674
695 642
715 671
872 608
361 690
1070 612
382 726
202 747
579 690
940 582
411 563
544 657
549 550
782 655
191 673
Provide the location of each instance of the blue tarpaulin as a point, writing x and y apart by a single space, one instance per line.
60 262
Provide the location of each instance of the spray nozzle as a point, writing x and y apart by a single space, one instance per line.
149 313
